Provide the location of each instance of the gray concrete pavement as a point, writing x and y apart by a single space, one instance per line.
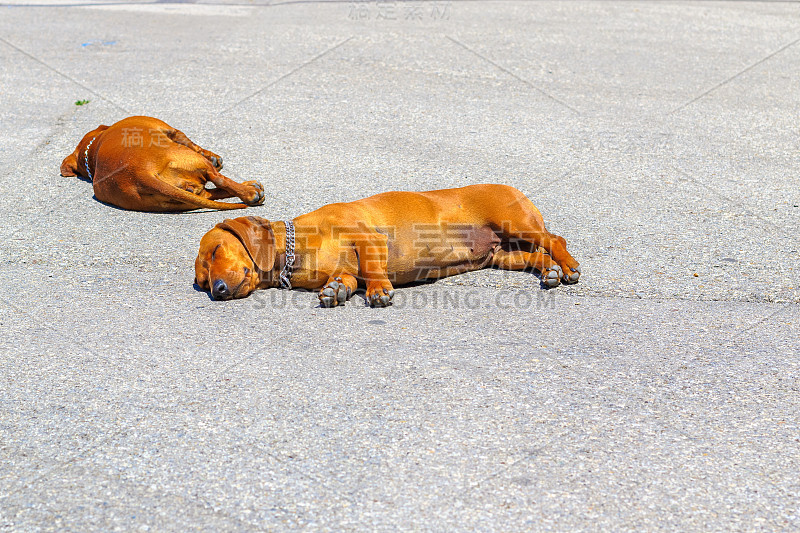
660 393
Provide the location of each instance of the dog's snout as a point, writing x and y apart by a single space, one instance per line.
220 290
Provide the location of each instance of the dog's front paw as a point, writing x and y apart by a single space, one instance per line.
255 194
380 295
334 293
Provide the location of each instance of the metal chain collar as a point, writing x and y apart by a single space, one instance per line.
86 158
286 272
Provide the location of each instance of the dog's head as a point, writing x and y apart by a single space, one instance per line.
70 165
235 257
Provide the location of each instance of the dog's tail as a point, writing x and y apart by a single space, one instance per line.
192 199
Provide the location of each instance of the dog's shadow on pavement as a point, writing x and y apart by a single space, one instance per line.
198 288
361 291
194 212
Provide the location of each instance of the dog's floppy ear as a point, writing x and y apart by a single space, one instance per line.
69 167
256 236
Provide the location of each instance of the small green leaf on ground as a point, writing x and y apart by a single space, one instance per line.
82 102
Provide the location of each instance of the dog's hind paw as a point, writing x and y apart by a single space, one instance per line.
257 195
333 294
573 276
552 276
216 160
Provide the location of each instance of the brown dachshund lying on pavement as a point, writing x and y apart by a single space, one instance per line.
386 239
143 164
